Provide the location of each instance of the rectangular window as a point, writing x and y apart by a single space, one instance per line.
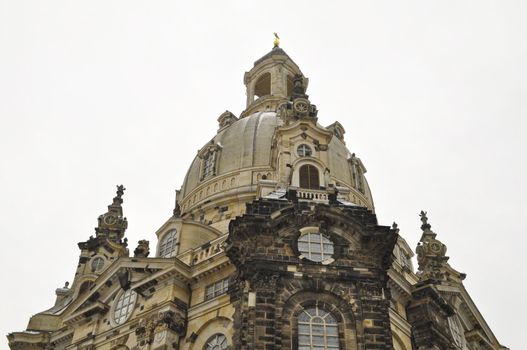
208 164
216 289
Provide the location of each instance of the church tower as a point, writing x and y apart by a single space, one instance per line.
273 243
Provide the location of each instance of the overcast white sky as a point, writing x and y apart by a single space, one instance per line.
96 93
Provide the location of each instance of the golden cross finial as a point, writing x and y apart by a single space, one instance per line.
276 40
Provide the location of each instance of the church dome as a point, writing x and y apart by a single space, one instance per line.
275 146
246 144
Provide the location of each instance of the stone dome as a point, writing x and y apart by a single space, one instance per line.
244 158
259 154
245 144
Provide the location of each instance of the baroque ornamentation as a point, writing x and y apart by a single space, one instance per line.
431 253
142 250
149 328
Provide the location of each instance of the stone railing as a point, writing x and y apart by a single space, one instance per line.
312 195
208 250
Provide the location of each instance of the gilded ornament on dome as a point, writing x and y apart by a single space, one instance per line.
276 40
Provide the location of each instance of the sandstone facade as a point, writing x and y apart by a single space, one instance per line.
274 244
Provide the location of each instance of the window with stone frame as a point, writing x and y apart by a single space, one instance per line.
216 342
317 329
209 163
304 151
309 177
86 286
216 289
315 247
168 244
124 306
97 264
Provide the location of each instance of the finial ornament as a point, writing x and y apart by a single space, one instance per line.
120 191
431 253
276 40
424 219
113 224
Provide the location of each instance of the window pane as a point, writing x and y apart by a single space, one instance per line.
303 329
328 249
330 330
303 246
316 257
318 340
317 329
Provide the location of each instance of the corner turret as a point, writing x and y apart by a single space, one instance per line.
112 224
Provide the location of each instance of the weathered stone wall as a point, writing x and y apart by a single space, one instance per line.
274 283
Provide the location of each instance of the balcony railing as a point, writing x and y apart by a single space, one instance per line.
312 195
208 250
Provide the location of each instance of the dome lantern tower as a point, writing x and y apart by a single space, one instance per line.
271 81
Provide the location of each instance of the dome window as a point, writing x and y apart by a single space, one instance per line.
309 177
304 151
209 162
315 247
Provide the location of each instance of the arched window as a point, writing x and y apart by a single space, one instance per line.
290 85
216 342
85 286
317 329
262 87
167 247
309 177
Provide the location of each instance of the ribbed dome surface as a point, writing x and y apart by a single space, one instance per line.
244 144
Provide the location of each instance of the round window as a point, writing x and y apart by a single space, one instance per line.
124 306
97 264
304 151
315 247
216 342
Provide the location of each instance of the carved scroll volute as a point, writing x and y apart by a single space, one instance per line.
166 326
